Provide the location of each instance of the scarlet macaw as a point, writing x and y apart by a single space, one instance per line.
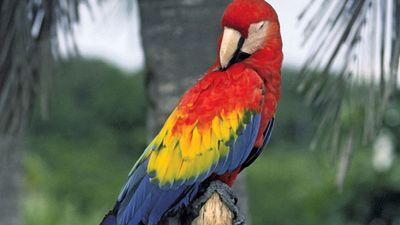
220 124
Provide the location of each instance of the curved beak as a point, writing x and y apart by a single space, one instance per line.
231 41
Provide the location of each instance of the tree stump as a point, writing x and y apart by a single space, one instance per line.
214 212
216 205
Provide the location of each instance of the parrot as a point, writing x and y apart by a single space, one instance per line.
219 126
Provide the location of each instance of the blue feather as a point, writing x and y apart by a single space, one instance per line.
257 151
243 145
147 203
109 219
143 201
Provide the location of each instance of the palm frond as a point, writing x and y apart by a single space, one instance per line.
28 32
352 69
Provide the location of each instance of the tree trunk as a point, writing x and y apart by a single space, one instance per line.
25 46
179 40
10 179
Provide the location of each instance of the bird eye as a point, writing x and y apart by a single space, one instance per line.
261 26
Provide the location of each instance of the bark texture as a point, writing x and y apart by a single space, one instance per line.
10 179
179 41
17 81
214 212
25 47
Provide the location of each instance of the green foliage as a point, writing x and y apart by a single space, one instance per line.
297 187
79 157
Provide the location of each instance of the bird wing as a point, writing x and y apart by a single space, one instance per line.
257 150
212 130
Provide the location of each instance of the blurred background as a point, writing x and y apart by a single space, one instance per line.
92 84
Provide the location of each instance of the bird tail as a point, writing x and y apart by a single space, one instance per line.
109 219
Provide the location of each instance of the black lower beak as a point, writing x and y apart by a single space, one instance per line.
239 55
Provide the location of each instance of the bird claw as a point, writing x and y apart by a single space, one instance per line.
227 196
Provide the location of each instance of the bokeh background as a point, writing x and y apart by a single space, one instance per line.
106 102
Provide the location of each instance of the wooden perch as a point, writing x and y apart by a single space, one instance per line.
214 212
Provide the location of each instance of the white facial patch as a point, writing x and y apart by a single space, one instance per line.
256 37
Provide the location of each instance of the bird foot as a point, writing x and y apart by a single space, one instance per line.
227 196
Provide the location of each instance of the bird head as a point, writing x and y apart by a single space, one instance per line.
248 26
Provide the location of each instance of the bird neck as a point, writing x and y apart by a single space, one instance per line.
267 61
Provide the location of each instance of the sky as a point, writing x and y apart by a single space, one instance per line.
110 33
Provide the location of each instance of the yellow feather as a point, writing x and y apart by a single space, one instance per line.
162 163
225 129
168 138
233 120
215 124
205 161
206 139
195 153
152 162
239 115
208 147
214 145
223 150
184 143
183 173
195 142
174 165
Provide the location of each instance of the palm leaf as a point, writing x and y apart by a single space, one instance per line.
28 30
351 71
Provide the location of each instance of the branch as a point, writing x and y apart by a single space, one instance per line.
214 212
216 205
